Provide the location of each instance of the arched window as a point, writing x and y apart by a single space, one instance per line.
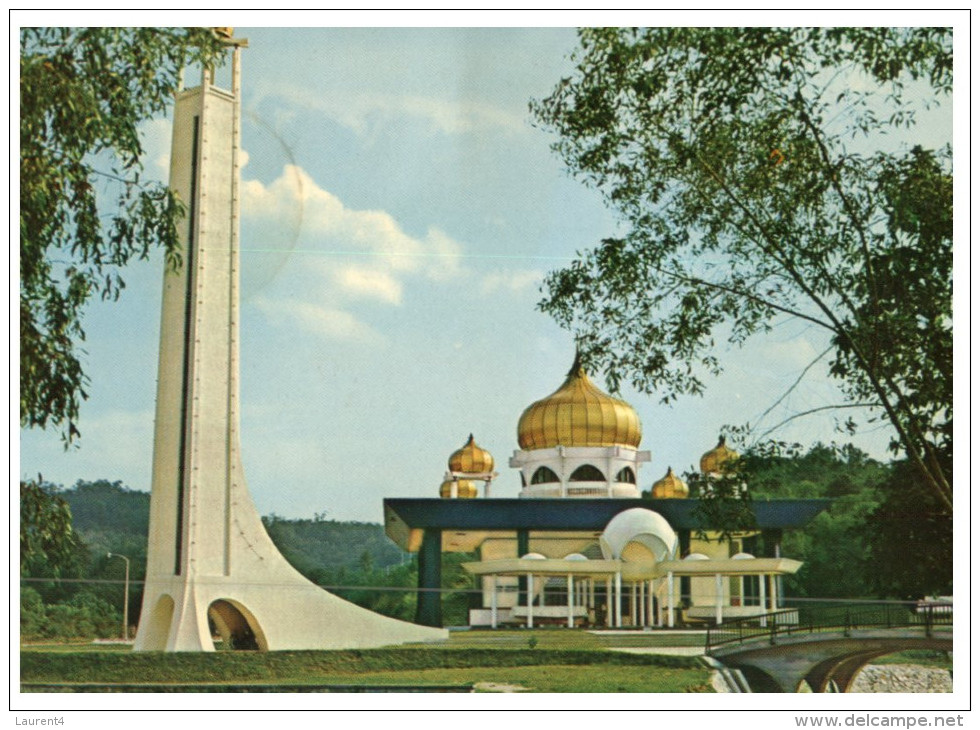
626 476
544 475
586 473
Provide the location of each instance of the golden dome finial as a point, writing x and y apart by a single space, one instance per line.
716 460
224 32
471 459
578 414
670 487
465 489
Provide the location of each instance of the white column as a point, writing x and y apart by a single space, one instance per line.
773 593
609 603
530 601
641 604
493 603
633 605
762 599
718 596
670 599
571 616
650 614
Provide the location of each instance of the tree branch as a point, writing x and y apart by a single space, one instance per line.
817 410
791 388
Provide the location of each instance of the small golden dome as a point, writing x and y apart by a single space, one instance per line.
578 414
471 459
713 462
224 32
670 487
465 489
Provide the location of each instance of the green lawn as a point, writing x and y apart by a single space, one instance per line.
542 660
558 662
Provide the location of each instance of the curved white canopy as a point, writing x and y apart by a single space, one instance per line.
638 534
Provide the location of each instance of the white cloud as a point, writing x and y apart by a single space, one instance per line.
338 259
327 226
319 320
364 112
368 283
155 136
515 281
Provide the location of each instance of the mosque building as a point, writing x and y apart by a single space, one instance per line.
582 544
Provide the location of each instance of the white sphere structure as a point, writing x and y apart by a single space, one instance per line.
638 534
533 556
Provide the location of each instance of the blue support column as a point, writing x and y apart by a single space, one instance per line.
428 607
684 547
523 548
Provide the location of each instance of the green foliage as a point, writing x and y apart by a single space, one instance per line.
911 539
883 535
759 176
328 545
85 210
47 541
103 504
32 614
724 505
84 616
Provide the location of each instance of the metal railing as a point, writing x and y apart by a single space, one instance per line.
845 617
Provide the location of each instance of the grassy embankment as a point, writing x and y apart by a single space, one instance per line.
539 661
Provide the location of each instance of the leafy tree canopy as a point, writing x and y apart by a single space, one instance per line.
85 210
761 174
47 541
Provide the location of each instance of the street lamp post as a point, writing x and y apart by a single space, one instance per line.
125 624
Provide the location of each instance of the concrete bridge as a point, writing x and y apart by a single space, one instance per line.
779 652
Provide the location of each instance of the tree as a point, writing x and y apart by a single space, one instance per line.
85 210
761 174
911 539
47 541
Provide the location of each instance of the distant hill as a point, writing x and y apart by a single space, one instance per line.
108 514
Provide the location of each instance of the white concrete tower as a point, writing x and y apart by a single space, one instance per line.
209 554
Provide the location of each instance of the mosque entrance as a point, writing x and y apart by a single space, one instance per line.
236 626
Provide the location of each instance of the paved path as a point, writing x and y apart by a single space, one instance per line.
664 650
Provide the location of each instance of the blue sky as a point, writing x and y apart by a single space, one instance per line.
399 212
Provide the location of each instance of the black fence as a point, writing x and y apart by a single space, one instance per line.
819 616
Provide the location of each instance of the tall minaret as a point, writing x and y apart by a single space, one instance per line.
209 555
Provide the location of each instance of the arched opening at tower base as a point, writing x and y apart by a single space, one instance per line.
237 626
159 624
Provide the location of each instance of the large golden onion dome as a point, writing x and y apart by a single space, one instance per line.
670 487
714 461
465 489
471 459
578 414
